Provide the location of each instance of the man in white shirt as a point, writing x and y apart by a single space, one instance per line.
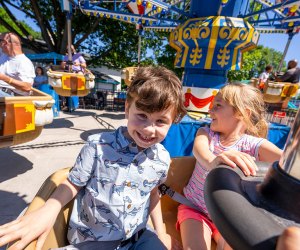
16 70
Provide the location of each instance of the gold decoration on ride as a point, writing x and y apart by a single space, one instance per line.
195 56
233 34
223 57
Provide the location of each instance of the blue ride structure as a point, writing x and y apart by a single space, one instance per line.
208 36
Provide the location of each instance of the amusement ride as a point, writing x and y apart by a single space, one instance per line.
209 38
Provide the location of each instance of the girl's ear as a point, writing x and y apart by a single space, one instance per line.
248 112
127 105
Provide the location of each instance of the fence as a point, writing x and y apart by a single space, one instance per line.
104 99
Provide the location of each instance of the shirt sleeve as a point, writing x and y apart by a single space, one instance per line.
26 72
261 76
81 59
164 154
84 166
286 76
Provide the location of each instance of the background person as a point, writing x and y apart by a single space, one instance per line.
16 70
264 76
292 74
235 138
40 77
79 63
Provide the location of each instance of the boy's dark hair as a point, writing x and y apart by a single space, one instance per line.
268 67
155 89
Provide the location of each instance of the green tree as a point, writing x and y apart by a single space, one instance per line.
254 62
109 42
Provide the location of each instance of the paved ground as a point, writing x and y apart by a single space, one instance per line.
24 167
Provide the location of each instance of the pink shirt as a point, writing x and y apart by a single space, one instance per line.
194 191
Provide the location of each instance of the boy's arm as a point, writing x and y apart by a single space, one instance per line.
232 158
269 152
156 218
155 212
38 223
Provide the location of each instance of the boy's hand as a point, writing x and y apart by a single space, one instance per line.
169 242
234 158
35 225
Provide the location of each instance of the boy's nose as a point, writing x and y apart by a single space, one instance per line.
149 127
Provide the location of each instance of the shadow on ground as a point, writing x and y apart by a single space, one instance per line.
60 123
113 116
13 165
86 134
80 112
11 202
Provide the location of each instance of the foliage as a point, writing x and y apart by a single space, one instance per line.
254 62
108 42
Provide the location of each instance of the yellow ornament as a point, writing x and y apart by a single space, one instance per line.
291 24
149 5
159 9
139 2
294 8
224 1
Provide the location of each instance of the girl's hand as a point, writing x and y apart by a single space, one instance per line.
35 225
234 159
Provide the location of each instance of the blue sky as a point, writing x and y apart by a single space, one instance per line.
278 42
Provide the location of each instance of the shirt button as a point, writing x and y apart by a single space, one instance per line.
128 184
129 206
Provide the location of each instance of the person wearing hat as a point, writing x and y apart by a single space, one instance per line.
16 70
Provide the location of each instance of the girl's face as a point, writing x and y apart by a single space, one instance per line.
38 71
148 129
224 119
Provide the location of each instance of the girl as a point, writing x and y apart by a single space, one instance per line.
40 77
235 138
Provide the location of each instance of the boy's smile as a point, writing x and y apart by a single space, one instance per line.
148 129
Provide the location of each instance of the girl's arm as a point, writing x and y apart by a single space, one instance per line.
269 152
37 224
232 158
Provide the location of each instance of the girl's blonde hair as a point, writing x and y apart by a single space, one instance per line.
248 103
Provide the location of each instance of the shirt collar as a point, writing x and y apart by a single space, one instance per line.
124 143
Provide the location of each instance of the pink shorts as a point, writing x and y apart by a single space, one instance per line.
185 212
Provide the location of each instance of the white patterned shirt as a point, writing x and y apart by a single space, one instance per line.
117 180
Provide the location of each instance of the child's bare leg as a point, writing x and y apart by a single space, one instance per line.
221 243
195 235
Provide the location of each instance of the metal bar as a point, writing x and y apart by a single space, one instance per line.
290 158
139 49
69 15
285 51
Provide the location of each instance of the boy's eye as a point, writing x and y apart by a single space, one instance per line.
142 116
161 121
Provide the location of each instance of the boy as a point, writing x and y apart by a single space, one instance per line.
115 176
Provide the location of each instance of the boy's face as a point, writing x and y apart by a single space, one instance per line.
148 129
